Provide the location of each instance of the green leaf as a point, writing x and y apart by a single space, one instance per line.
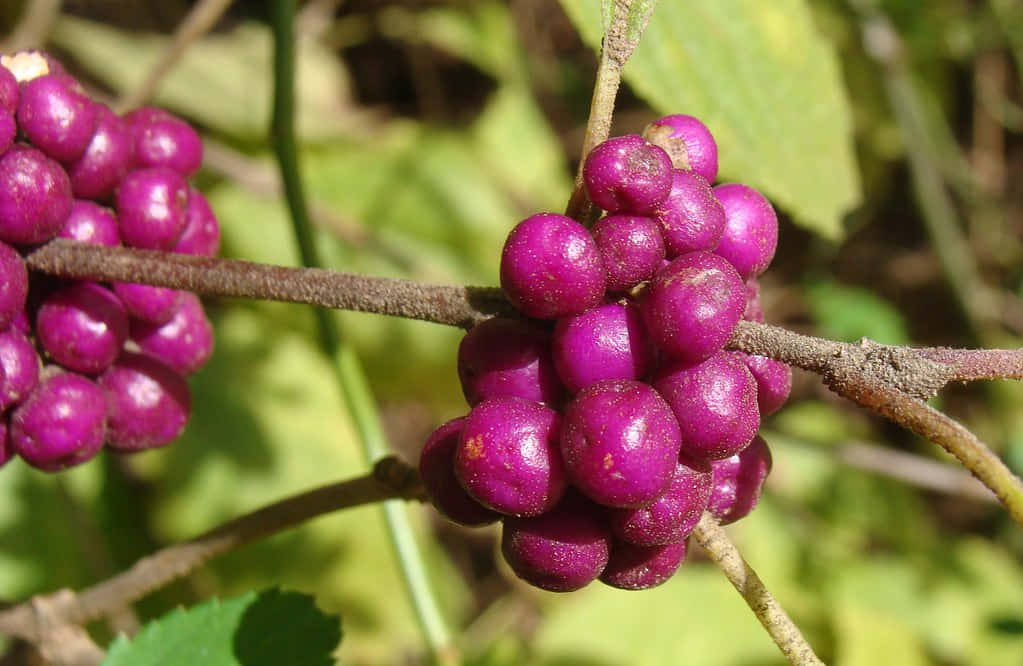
766 84
271 628
850 313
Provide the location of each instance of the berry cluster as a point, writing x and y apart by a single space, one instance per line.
85 364
600 440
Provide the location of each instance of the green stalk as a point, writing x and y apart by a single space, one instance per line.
347 368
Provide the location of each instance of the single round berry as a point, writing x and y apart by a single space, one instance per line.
691 218
155 305
61 424
8 91
55 117
36 196
106 159
751 229
8 129
162 139
688 141
202 231
20 364
504 357
151 206
631 249
671 517
563 550
607 342
83 327
627 173
508 458
620 443
89 222
632 567
148 401
738 481
693 306
13 284
437 470
184 343
715 402
550 267
774 382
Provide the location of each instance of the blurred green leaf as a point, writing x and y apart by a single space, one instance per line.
869 638
270 628
768 87
850 313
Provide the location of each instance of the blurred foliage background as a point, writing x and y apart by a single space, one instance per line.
429 128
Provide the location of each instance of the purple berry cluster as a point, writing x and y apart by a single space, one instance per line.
604 422
85 364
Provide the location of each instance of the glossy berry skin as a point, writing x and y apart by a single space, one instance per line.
671 517
620 443
504 357
606 342
751 229
162 139
148 402
692 143
201 236
13 284
89 222
35 199
20 367
8 91
563 550
154 305
627 174
437 470
715 402
691 217
61 424
774 382
151 207
508 459
632 567
8 129
55 117
693 305
631 249
738 481
551 267
184 343
82 327
106 159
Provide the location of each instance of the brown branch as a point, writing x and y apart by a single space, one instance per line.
973 364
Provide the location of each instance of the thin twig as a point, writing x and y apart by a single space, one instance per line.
36 20
783 631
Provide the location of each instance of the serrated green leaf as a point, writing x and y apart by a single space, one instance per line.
269 628
766 84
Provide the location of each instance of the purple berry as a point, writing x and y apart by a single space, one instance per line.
61 424
691 218
550 267
6 452
184 343
688 141
715 402
620 443
628 174
36 196
8 91
151 206
693 306
751 229
607 342
672 516
563 550
58 119
202 231
162 139
754 308
89 222
631 249
83 327
8 128
21 367
13 284
106 160
508 458
437 470
155 305
632 567
774 382
508 358
148 402
738 481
